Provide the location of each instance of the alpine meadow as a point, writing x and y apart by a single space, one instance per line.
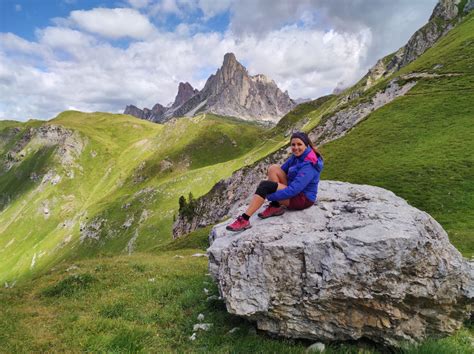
105 218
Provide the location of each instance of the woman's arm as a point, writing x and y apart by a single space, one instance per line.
287 164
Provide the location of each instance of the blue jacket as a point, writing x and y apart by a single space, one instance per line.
303 176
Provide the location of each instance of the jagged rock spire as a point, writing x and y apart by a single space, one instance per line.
231 91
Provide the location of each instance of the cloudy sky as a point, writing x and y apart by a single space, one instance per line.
100 55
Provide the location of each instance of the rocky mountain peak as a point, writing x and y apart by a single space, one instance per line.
445 9
231 70
231 91
185 92
230 59
443 18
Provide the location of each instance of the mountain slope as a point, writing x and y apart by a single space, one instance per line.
86 184
420 146
412 133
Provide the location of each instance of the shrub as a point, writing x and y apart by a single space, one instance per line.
69 285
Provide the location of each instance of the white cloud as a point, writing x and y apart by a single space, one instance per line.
100 77
164 8
12 42
72 65
65 38
307 63
114 23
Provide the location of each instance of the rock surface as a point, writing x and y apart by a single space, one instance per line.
361 263
231 193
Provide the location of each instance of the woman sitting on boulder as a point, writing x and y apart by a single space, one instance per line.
294 185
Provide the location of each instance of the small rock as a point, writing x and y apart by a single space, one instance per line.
212 297
206 291
252 331
193 337
349 208
233 330
316 348
178 256
200 317
151 280
202 327
71 268
56 179
199 255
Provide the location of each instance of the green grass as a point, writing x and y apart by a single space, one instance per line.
420 146
130 172
147 302
138 303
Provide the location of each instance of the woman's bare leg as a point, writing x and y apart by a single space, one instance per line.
275 174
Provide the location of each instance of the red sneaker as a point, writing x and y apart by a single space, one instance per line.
271 211
239 225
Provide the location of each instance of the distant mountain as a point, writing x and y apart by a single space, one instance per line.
302 100
155 114
185 92
446 14
231 91
159 113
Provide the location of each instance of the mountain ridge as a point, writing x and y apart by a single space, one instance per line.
231 91
336 114
128 287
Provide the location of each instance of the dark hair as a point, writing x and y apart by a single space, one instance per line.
306 140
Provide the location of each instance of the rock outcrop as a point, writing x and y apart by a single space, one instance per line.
444 18
231 91
185 92
69 145
230 193
362 263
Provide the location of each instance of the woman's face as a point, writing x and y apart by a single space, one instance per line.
297 147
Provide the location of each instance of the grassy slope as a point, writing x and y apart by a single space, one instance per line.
145 302
420 146
117 177
417 146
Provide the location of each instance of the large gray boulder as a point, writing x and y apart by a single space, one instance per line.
360 263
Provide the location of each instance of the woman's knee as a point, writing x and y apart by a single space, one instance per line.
266 187
274 169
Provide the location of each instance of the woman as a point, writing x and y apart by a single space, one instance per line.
294 185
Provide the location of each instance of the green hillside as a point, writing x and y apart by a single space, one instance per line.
112 187
90 295
420 146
